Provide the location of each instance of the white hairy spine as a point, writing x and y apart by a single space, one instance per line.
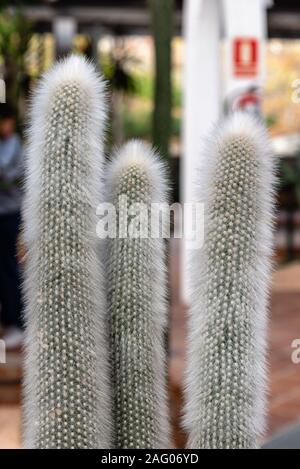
63 175
226 373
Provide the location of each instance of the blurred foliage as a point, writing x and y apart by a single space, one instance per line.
115 67
138 118
137 123
145 85
124 73
15 34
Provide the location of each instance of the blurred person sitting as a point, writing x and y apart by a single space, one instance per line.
11 171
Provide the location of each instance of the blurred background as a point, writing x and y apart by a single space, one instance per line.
140 47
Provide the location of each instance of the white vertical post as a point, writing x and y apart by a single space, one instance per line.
208 87
202 99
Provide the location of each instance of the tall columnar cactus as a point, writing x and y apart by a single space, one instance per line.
67 394
226 371
136 285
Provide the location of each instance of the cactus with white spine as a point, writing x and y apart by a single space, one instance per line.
136 285
226 376
67 393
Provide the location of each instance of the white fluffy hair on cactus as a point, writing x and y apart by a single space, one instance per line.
226 374
67 392
137 290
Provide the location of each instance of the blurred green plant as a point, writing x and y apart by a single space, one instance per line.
144 83
115 68
15 34
137 123
132 95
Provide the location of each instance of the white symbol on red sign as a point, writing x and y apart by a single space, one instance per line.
245 57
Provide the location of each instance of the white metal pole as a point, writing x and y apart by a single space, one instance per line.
202 99
208 85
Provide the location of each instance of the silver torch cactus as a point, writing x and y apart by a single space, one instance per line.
226 376
67 389
137 290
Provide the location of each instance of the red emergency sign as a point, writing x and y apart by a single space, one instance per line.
245 57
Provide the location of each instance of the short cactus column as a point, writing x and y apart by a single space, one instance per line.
136 286
226 377
67 393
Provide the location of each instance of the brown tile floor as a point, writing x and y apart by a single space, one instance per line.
10 424
284 407
284 395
